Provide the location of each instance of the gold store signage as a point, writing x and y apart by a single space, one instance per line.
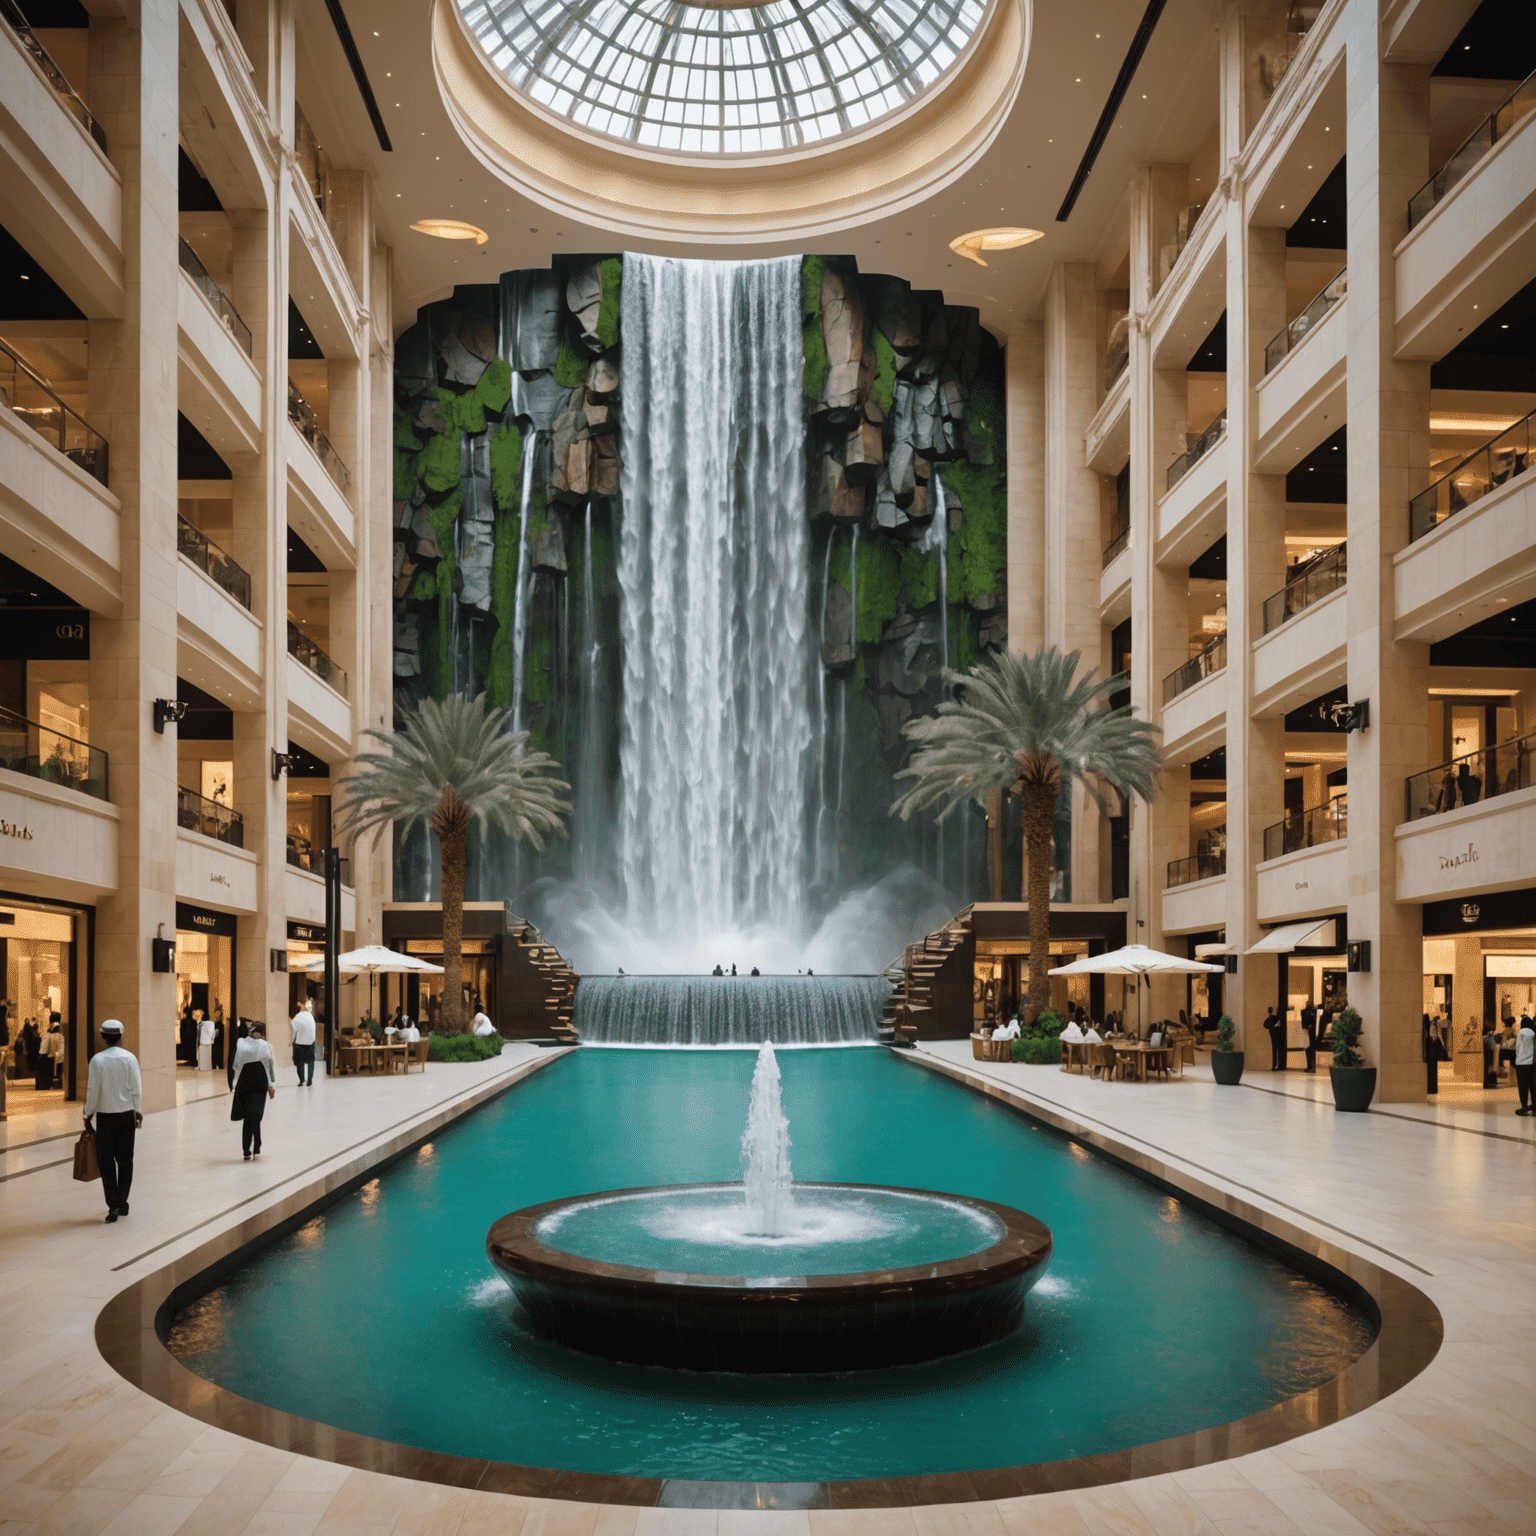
17 829
1468 855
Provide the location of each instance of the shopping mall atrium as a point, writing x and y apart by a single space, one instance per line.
1110 1125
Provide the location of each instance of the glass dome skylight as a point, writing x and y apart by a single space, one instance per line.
722 80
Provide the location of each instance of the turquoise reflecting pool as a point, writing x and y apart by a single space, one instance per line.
383 1316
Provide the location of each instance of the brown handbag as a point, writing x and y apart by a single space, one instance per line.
86 1166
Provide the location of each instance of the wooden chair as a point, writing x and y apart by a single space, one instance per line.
416 1054
1102 1061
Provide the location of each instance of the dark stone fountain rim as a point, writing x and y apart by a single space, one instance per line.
1025 1245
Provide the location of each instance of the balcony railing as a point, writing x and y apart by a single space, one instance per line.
303 649
1197 450
1306 829
1475 776
302 856
11 13
197 813
1203 866
1307 584
1298 23
1306 322
308 424
1118 353
208 557
29 748
210 290
1211 660
32 398
1117 546
315 166
1497 461
1499 124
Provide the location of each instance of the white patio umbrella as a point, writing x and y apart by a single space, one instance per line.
1133 960
369 961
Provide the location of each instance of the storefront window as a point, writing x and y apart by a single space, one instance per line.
38 956
205 986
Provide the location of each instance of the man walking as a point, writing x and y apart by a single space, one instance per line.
304 1044
1276 1027
1525 1065
1309 1028
114 1098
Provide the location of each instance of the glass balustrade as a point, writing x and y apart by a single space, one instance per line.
315 167
32 398
11 14
303 649
1211 660
1308 583
197 813
1207 864
1497 461
1475 776
1298 23
1118 353
1197 450
1306 829
308 424
302 856
1498 125
29 748
210 290
208 557
1306 322
1117 546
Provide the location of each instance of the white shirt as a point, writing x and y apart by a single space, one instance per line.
53 1045
252 1049
409 1032
483 1025
1072 1032
303 1027
1010 1031
1525 1046
205 1032
113 1084
1093 1037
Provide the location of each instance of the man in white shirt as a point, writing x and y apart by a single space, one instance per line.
1072 1034
303 1026
482 1025
114 1098
1525 1066
1010 1031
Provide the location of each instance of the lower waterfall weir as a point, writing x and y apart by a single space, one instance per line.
682 1011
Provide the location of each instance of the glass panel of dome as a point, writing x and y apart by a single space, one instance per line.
757 77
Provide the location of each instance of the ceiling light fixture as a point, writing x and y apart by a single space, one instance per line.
451 229
1007 239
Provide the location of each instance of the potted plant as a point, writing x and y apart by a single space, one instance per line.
1226 1063
1354 1083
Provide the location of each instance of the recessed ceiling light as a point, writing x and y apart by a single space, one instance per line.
450 229
972 245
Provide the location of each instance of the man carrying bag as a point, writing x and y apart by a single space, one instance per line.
114 1098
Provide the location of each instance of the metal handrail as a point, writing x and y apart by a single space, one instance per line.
1307 584
1197 450
41 753
11 13
1299 21
316 166
303 649
208 557
49 417
223 306
1116 546
313 860
1499 124
212 818
1499 460
1498 770
1210 661
1305 829
1117 355
1307 321
304 418
1201 866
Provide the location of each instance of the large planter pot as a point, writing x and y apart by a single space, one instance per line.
1353 1087
1227 1067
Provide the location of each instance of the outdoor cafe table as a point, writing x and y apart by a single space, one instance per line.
370 1058
1144 1056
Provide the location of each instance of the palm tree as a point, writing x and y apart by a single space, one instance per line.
1028 724
454 762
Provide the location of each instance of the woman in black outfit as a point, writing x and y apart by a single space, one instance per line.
253 1080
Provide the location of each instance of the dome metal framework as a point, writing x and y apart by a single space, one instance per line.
722 79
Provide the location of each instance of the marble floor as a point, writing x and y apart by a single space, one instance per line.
1448 1203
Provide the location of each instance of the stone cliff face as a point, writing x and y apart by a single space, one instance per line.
508 437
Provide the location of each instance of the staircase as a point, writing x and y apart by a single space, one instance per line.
551 982
910 1011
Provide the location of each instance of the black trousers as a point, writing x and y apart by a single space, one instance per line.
114 1154
304 1060
1525 1080
252 1107
1277 1049
1312 1051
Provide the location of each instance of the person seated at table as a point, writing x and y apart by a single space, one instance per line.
1009 1031
1073 1033
1092 1036
482 1025
1158 1039
407 1032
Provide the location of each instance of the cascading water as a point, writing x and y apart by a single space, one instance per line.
520 601
716 720
765 1171
585 822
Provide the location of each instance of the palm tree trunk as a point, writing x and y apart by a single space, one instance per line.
452 1015
1039 816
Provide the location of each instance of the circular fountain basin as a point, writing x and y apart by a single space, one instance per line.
861 1275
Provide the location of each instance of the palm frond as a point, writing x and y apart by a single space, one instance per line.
1008 707
462 744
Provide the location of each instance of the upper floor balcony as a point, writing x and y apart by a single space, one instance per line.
1306 322
1494 128
1116 547
1305 584
1474 777
220 302
1498 461
212 818
305 651
40 753
213 562
1212 659
33 400
1206 864
1197 450
11 15
1307 829
308 426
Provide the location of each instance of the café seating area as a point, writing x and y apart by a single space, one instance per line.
358 1051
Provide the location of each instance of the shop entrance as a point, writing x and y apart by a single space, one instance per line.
45 959
205 987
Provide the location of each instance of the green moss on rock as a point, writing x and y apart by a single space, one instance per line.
608 311
978 553
404 436
883 390
405 475
498 681
571 366
506 461
423 588
495 386
920 576
879 588
438 464
814 372
443 517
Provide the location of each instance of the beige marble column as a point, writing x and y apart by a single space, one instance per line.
133 656
1387 137
1024 364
